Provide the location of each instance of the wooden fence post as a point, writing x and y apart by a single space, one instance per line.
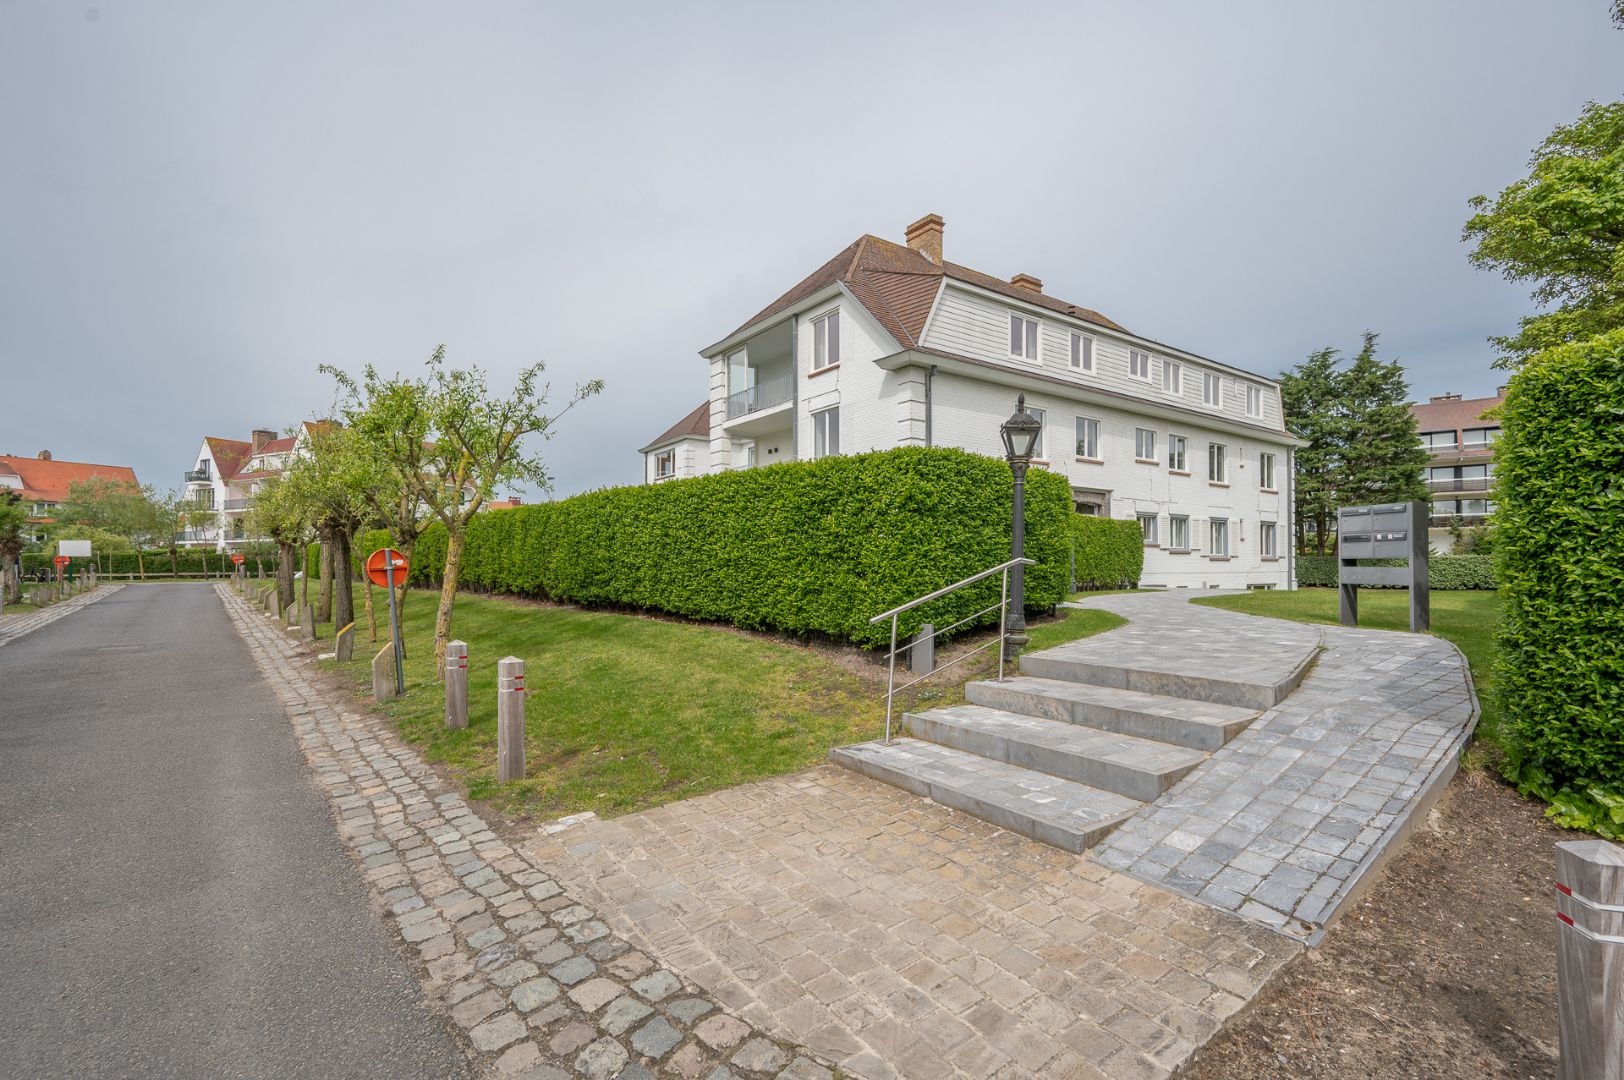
1590 959
510 719
456 684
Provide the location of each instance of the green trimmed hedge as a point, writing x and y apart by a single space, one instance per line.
189 561
1443 571
1109 553
1560 545
804 547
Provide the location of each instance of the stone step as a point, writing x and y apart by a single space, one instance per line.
1216 688
1046 808
1138 768
1201 725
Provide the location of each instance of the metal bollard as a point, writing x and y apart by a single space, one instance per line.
922 653
456 684
1590 959
510 719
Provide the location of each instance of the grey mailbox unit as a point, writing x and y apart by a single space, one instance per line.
1383 531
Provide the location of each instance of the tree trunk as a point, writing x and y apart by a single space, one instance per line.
304 581
284 574
343 594
174 563
324 595
448 597
140 564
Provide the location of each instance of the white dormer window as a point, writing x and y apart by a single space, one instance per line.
1139 364
665 463
1023 338
1082 352
1254 401
826 341
1212 390
1172 377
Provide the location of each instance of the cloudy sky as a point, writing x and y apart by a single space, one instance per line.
201 202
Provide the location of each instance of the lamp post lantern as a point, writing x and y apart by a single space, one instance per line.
1020 433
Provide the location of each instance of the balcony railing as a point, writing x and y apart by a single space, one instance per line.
1465 483
237 504
196 476
761 396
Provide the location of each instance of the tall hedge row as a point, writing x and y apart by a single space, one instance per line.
805 547
1443 571
1559 467
187 560
1110 553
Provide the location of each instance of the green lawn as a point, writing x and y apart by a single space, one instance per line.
627 712
1465 617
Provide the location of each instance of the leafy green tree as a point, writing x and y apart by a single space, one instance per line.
275 513
1308 399
13 538
324 483
1382 458
1561 228
453 443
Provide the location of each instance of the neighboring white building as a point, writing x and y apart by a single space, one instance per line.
888 345
227 474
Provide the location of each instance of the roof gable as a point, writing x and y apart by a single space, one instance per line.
230 455
696 425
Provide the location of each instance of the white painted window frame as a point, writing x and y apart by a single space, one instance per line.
1217 528
820 432
1082 351
821 339
1254 400
1173 377
1144 449
1093 428
1148 531
1145 359
1174 521
1031 335
1210 397
1217 463
1265 471
1178 445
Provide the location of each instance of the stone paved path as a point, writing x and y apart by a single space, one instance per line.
1285 822
540 987
13 627
900 938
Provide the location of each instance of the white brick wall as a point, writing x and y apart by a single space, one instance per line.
693 458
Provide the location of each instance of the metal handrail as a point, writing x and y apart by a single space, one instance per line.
1002 607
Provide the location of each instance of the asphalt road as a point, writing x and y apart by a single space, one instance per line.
174 898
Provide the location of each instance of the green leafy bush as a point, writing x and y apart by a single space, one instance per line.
805 547
1560 548
1443 571
1110 553
188 561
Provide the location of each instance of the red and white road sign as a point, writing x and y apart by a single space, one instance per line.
379 562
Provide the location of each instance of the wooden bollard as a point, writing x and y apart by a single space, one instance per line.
510 719
456 684
383 673
1590 959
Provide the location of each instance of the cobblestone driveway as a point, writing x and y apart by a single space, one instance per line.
537 986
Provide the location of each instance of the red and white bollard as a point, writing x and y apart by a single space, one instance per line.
456 684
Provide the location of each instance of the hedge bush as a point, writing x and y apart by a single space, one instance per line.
1560 546
804 547
189 561
1443 571
1109 553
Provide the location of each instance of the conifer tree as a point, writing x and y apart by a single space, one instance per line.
1382 456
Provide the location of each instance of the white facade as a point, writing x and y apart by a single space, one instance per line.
670 460
1109 417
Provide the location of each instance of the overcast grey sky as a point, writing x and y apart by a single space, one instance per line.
201 202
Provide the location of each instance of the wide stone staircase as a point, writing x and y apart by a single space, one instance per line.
1077 743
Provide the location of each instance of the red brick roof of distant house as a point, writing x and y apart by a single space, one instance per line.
1451 412
277 446
504 504
44 479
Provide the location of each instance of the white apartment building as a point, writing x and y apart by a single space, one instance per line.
890 345
227 474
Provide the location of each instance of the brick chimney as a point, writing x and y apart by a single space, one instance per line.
925 237
261 436
44 455
1027 282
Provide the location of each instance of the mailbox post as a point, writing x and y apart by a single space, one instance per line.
1383 531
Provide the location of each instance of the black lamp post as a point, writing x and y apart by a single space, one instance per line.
1020 433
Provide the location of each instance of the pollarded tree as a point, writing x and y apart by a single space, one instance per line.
1382 456
275 513
13 538
323 484
453 443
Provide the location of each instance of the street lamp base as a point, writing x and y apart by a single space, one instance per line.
1014 642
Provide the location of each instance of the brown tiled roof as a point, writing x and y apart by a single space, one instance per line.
695 425
48 480
230 455
898 285
277 446
1455 414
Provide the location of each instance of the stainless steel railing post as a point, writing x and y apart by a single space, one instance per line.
1003 613
891 680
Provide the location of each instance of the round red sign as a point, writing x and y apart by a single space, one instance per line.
380 561
237 558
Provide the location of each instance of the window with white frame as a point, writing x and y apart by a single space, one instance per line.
1212 390
1147 528
826 341
1265 471
1254 401
1178 532
1265 539
1037 445
1175 453
826 432
665 463
1218 463
1139 364
1144 444
1088 438
1474 438
1172 377
1023 338
1439 440
1218 536
1082 352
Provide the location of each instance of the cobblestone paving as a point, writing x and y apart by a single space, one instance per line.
1281 824
13 627
537 986
897 937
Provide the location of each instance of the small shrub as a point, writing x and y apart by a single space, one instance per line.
1110 553
1443 571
